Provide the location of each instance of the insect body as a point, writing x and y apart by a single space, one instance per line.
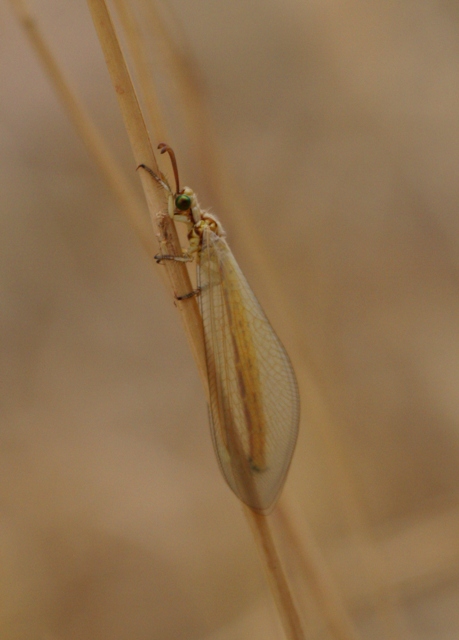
254 402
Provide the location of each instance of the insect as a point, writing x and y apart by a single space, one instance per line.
254 401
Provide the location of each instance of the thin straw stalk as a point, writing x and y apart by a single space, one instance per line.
136 46
143 154
90 135
287 607
311 563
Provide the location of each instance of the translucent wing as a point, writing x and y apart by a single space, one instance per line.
254 402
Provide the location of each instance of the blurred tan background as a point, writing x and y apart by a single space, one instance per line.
339 124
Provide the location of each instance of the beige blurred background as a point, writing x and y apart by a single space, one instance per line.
339 127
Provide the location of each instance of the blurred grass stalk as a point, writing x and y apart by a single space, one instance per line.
322 586
111 171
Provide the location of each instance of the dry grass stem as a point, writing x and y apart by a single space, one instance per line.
312 564
90 135
181 285
143 153
280 588
127 98
142 70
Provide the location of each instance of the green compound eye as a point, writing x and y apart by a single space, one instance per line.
182 202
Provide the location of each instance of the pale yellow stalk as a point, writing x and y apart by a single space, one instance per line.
136 46
143 154
124 192
310 562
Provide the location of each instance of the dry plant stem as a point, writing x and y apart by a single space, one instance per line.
311 562
142 70
113 174
181 285
143 154
127 98
280 589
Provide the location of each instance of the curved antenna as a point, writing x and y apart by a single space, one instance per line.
166 148
161 180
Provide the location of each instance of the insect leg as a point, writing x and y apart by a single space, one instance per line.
159 257
193 293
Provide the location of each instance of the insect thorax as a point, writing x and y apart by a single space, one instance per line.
195 218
